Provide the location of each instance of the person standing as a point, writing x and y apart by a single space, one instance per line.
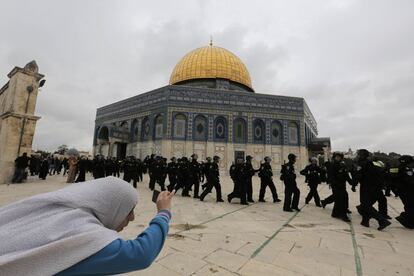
239 173
172 170
213 180
313 175
195 171
292 192
21 163
44 168
73 165
82 166
250 172
266 180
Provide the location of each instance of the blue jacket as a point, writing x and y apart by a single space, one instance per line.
122 256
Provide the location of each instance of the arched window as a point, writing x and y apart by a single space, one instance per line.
293 132
200 131
239 131
259 132
159 126
180 121
276 133
134 130
103 135
145 129
124 126
220 129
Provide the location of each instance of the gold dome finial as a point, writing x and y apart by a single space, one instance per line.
211 40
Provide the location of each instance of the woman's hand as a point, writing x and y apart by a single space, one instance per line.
164 200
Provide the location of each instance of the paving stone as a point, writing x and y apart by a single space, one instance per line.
230 261
254 268
182 263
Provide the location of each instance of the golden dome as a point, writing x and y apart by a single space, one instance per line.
211 62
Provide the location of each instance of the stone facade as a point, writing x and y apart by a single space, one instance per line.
17 120
179 120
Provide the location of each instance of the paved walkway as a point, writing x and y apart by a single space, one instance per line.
207 238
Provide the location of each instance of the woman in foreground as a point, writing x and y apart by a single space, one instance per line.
73 231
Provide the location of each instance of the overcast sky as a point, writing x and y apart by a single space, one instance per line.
353 61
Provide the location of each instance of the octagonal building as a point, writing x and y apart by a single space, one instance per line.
209 108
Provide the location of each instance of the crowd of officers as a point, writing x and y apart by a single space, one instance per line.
188 174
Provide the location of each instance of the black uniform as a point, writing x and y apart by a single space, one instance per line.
313 174
195 171
213 181
406 191
44 168
250 171
172 170
21 164
266 180
370 175
239 175
82 166
340 176
289 179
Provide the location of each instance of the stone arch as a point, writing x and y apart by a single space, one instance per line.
103 135
180 126
293 133
124 126
158 126
220 129
145 129
259 131
134 130
200 125
276 133
240 131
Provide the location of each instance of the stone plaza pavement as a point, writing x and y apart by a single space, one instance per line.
209 238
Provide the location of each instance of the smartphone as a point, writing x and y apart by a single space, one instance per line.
155 196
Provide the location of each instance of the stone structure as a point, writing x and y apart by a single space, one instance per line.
209 108
17 120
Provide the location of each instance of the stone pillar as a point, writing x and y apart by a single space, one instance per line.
17 120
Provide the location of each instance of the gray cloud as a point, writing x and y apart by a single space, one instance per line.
353 61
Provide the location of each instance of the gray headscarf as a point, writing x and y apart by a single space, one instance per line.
47 233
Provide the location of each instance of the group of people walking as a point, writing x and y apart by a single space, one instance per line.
188 174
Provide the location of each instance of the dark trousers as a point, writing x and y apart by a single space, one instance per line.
239 191
250 189
173 183
382 204
331 199
151 184
292 195
196 184
340 197
264 182
313 193
210 185
18 175
406 218
366 209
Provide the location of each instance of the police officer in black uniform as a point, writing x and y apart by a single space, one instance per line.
292 192
339 177
250 172
371 178
239 172
213 180
195 171
172 170
406 190
313 175
204 170
266 174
